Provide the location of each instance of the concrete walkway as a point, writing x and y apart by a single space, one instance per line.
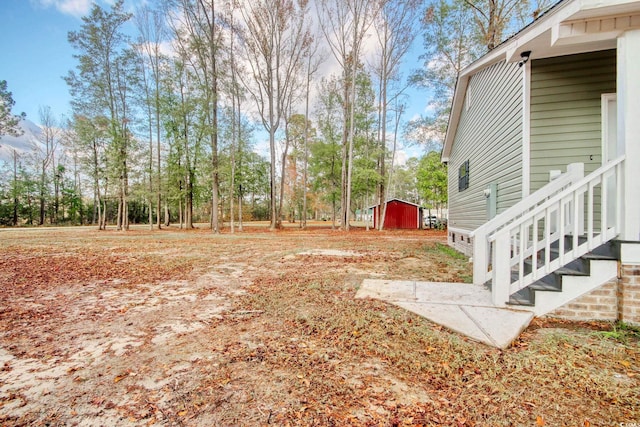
463 308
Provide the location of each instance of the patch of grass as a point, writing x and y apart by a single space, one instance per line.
621 332
449 251
451 259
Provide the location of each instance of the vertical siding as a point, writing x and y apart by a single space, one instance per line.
566 111
399 215
489 135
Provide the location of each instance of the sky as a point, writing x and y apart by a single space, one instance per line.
35 56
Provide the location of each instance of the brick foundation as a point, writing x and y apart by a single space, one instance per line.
600 304
618 299
629 307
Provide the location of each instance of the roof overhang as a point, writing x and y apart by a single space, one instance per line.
570 27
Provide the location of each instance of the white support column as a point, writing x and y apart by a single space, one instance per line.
628 83
526 129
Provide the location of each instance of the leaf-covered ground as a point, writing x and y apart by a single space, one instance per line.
261 328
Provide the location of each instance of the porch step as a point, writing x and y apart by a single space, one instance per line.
609 250
553 282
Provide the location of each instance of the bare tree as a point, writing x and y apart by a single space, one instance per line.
314 59
493 17
235 92
395 30
345 24
199 38
276 38
152 33
46 155
102 87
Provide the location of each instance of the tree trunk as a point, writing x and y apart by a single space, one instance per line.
42 184
104 215
240 209
275 221
15 188
283 168
150 198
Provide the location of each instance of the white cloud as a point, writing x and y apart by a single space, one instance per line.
77 8
400 158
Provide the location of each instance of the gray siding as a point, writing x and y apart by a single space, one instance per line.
566 111
489 135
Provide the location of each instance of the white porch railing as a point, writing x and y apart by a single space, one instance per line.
482 262
536 244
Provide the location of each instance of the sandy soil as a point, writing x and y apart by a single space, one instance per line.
187 328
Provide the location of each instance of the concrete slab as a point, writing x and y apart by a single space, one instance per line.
463 308
453 293
500 325
388 290
450 316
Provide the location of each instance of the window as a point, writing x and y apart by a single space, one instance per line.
463 176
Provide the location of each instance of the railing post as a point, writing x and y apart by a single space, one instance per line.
619 196
576 170
480 258
501 284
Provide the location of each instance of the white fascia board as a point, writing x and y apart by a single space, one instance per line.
540 38
595 8
505 52
521 42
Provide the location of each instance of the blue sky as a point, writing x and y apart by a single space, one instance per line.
36 54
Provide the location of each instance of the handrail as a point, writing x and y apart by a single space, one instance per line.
481 248
574 170
522 250
558 196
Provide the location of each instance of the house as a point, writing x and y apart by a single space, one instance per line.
399 214
543 148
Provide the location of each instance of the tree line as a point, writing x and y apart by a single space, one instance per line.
168 101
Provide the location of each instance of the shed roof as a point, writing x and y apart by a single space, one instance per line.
397 200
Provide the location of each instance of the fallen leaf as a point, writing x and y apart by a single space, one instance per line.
539 421
625 363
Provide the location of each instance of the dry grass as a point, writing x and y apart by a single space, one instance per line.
286 344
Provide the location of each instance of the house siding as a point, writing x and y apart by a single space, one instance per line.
489 135
566 111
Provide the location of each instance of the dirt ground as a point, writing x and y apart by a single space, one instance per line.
187 328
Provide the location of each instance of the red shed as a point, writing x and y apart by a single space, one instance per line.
400 214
